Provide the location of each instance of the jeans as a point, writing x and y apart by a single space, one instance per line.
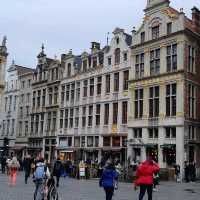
143 189
39 190
57 181
109 192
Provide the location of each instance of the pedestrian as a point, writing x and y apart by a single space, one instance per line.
27 167
40 177
187 172
193 171
144 177
13 167
177 173
108 179
3 164
57 170
155 181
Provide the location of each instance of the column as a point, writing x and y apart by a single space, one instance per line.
180 148
160 150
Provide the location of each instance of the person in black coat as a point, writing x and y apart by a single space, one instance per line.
187 172
27 167
57 170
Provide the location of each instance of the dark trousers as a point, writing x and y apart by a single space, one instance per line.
109 192
143 189
57 180
27 174
3 168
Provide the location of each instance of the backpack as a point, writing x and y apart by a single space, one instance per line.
40 172
58 166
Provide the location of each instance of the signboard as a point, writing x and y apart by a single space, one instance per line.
82 171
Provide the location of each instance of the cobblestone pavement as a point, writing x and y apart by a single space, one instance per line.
71 189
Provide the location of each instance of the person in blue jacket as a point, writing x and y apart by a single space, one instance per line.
108 179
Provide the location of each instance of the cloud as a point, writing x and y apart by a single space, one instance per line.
66 24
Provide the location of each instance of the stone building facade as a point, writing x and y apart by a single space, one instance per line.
94 101
164 117
45 106
11 103
3 61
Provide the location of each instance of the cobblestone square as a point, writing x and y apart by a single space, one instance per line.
71 189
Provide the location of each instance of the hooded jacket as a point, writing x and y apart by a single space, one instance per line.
144 173
108 177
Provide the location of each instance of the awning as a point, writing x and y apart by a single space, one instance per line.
167 145
18 148
66 151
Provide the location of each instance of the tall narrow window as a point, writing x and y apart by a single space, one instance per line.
126 77
115 113
142 37
43 97
66 118
117 56
55 95
85 86
72 92
62 94
98 114
139 66
67 92
50 96
124 112
90 116
171 100
138 103
192 100
99 83
154 101
106 114
155 32
191 59
34 96
172 58
76 117
155 62
71 118
108 83
169 28
116 82
109 61
69 66
54 120
91 87
94 62
83 116
61 118
42 123
78 91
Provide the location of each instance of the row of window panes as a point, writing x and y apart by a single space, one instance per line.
170 132
154 95
67 117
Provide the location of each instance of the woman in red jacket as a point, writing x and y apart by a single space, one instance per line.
144 177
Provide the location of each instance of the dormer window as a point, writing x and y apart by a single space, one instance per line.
84 65
109 61
117 56
169 28
155 32
125 56
117 40
142 36
94 62
69 69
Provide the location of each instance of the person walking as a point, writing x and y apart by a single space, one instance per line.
3 164
144 177
187 172
40 177
27 167
57 170
13 166
107 180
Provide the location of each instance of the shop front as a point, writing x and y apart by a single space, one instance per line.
169 154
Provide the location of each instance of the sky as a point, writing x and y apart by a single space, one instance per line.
67 24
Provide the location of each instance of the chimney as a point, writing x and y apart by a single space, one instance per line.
196 18
95 46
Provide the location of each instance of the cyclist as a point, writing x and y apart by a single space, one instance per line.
40 177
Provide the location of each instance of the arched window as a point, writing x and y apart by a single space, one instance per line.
69 69
117 56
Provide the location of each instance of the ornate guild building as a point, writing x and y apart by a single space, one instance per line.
165 86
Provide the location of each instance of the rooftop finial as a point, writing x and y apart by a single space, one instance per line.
107 38
4 41
13 62
42 47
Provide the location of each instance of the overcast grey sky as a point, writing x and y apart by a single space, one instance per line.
67 24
